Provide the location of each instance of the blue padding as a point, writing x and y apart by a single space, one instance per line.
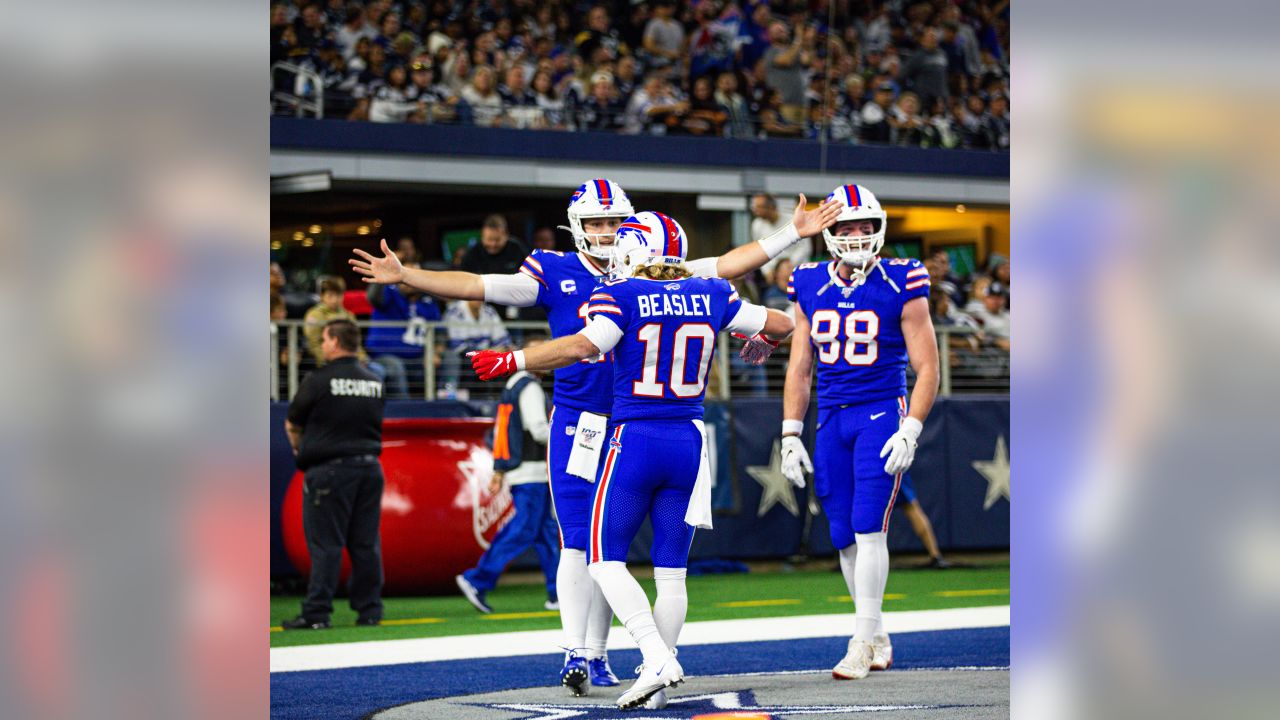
595 148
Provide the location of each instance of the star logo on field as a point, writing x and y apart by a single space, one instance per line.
777 488
741 700
996 471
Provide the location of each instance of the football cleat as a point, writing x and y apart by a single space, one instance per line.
667 674
473 595
657 701
551 605
601 675
856 663
574 674
302 623
881 652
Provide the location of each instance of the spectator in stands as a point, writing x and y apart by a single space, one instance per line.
738 115
830 118
651 105
875 127
944 130
388 29
773 123
664 36
471 325
483 99
407 250
352 29
855 89
624 78
767 221
993 316
909 128
775 296
390 102
375 72
400 349
965 40
754 35
785 62
497 252
457 71
544 238
705 116
926 70
942 278
601 110
332 289
278 310
311 26
522 106
277 278
970 117
548 101
997 122
434 101
712 42
600 42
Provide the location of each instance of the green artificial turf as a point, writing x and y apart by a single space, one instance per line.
711 597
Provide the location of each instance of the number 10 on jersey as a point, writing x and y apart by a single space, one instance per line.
860 330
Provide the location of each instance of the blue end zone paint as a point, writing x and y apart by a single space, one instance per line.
355 692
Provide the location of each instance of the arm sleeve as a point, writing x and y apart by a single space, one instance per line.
703 267
516 290
602 333
747 320
533 412
604 304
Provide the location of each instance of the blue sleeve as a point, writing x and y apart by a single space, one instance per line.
791 285
613 300
914 281
541 266
732 303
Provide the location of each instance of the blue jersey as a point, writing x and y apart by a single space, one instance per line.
565 281
668 339
856 333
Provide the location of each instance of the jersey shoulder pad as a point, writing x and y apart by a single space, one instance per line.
903 268
614 282
809 265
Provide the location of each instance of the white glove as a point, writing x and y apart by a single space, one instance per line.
795 460
901 446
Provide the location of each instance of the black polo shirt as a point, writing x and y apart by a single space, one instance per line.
339 408
508 260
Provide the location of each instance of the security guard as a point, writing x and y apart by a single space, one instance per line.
335 428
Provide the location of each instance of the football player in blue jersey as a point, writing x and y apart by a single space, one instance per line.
562 284
660 323
862 318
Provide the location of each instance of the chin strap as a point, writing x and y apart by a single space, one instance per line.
832 271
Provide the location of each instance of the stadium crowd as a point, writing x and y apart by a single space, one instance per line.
932 73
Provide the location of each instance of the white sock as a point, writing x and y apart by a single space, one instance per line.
632 607
599 617
870 572
848 556
672 603
573 587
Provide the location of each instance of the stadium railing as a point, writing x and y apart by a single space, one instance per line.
306 94
966 365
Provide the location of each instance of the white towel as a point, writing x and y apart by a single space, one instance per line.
699 513
584 459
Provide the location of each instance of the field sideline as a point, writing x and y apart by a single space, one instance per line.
711 597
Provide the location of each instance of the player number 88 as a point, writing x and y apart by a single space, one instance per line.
860 330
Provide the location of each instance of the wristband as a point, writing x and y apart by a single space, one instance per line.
911 426
790 427
519 355
774 244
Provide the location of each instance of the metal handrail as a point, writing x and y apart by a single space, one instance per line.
299 97
293 329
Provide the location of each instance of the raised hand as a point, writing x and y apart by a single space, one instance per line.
386 270
811 222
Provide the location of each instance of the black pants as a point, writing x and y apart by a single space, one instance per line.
341 507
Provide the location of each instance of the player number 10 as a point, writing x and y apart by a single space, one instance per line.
825 331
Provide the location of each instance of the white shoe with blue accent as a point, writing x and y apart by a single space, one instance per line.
667 674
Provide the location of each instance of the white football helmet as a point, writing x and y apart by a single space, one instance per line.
647 238
857 251
597 198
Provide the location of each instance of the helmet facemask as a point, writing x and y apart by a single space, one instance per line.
853 248
598 245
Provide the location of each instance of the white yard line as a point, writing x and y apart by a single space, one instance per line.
534 642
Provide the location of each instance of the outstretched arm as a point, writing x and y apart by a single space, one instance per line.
387 270
795 391
804 223
598 337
